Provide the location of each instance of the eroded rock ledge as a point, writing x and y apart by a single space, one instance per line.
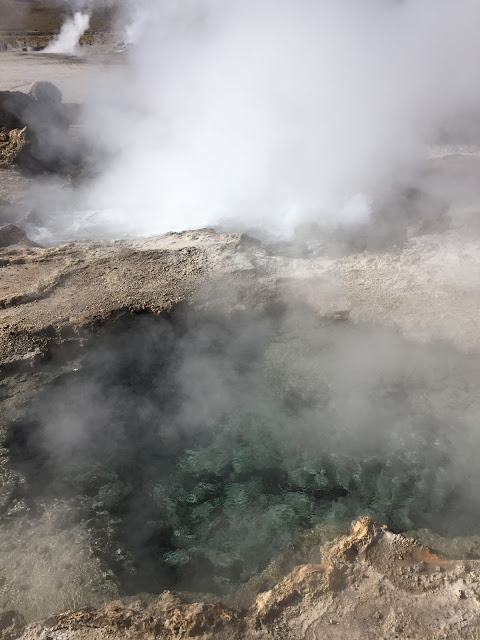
49 295
427 289
369 584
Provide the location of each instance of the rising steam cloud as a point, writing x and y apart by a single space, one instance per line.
72 30
277 112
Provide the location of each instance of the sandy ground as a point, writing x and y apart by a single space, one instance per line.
74 76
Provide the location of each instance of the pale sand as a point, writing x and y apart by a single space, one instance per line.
74 76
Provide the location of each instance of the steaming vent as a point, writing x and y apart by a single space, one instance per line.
187 451
69 37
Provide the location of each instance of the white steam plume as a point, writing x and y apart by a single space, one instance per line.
275 111
135 19
72 30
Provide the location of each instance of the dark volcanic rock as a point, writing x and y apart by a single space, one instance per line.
34 129
11 234
14 109
46 92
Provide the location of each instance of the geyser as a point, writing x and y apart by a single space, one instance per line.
72 30
191 448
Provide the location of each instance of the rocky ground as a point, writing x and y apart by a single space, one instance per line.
368 584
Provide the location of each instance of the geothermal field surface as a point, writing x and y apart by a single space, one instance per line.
246 429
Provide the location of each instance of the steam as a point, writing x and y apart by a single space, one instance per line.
136 22
193 447
72 30
267 115
276 113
